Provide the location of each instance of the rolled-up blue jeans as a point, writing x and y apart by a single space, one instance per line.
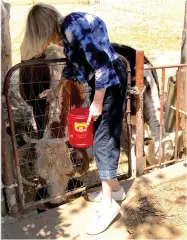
108 127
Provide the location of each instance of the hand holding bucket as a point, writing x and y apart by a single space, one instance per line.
80 125
94 112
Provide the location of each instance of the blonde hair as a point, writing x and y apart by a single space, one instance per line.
42 28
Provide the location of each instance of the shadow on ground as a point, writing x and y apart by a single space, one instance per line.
157 212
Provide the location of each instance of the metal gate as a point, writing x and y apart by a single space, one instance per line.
28 129
24 132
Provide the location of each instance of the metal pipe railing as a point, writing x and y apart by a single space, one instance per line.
161 114
139 113
178 80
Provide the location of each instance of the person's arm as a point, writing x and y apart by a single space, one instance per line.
97 105
99 96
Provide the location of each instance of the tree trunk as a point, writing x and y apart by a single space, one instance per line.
6 63
6 52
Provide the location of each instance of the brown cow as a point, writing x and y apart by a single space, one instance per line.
54 161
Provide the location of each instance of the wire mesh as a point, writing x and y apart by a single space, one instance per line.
49 166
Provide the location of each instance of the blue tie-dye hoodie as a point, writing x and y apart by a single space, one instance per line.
88 50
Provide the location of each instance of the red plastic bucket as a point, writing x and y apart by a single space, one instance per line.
80 136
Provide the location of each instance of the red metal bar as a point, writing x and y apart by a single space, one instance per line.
161 113
177 110
139 113
167 66
165 163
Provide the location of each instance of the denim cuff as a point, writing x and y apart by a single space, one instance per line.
107 175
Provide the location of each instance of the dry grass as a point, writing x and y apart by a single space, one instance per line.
151 26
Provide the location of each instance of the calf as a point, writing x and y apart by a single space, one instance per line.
54 163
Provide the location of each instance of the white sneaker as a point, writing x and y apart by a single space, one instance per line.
104 216
97 196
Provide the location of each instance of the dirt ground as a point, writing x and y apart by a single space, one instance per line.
154 208
158 212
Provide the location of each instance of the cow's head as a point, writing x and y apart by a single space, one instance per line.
54 165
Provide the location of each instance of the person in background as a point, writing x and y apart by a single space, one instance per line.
92 59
